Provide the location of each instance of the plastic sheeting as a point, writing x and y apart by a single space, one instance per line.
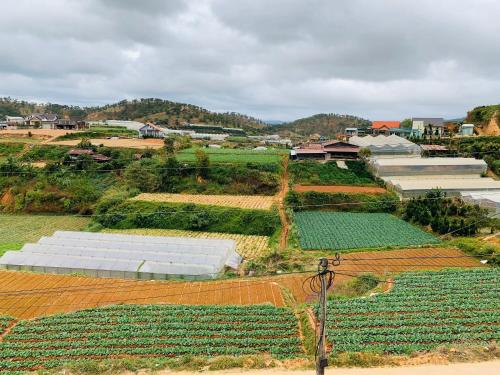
127 256
389 146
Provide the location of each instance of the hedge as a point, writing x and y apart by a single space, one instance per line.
311 200
136 214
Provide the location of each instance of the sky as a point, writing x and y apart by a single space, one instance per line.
272 59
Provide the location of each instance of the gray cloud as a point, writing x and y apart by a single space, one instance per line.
274 59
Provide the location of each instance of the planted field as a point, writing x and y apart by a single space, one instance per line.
423 311
315 173
348 189
254 202
346 230
150 331
15 230
249 247
225 155
28 295
5 322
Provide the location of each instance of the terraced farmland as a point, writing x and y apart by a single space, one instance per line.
247 246
423 311
29 295
15 230
225 155
254 202
150 331
346 230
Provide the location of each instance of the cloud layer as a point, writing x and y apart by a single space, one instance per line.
275 59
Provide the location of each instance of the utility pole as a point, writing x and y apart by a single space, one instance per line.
322 361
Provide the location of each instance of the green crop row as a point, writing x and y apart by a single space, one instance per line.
423 311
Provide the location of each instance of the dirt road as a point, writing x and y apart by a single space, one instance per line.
485 368
281 202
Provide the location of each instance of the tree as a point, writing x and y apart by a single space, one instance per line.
202 163
169 145
141 175
406 124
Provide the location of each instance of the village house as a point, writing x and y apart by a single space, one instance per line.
14 121
331 150
41 120
427 126
151 131
70 124
74 154
384 127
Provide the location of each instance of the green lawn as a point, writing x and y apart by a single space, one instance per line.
225 155
16 230
347 230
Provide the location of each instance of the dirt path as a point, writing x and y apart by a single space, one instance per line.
340 189
281 202
490 367
7 330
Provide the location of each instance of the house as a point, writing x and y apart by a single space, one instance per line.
14 121
70 124
41 120
427 125
384 127
74 154
404 133
151 131
3 125
331 150
351 132
467 129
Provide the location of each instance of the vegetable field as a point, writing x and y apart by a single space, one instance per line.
150 331
5 321
225 155
255 202
16 230
423 311
346 230
247 246
314 173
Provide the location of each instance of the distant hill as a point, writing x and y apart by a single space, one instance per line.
161 111
328 125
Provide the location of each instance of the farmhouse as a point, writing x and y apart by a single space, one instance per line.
326 151
74 154
70 124
427 125
42 120
151 131
384 127
13 121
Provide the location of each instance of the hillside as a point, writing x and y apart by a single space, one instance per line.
324 124
487 118
158 110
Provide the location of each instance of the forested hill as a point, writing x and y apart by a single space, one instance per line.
324 124
158 110
483 114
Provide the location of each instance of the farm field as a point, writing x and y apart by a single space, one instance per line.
249 247
30 295
5 322
137 143
423 311
151 330
15 230
346 230
315 173
256 202
339 189
223 155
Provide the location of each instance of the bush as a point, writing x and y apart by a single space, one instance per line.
311 200
135 214
315 173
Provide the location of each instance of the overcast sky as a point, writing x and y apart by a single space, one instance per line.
274 59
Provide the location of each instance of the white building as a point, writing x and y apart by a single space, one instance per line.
427 125
467 129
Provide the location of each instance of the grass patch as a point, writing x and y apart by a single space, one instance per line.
228 155
315 173
355 287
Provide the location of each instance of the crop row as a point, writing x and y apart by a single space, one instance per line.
398 348
412 317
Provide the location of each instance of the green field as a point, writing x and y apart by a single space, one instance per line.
150 331
226 155
346 230
423 311
315 173
15 230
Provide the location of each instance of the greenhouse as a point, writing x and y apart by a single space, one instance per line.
383 146
125 256
427 166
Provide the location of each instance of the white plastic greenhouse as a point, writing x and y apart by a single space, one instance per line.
387 146
125 256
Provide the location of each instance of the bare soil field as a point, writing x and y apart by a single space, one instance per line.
256 202
36 133
27 295
340 189
121 142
